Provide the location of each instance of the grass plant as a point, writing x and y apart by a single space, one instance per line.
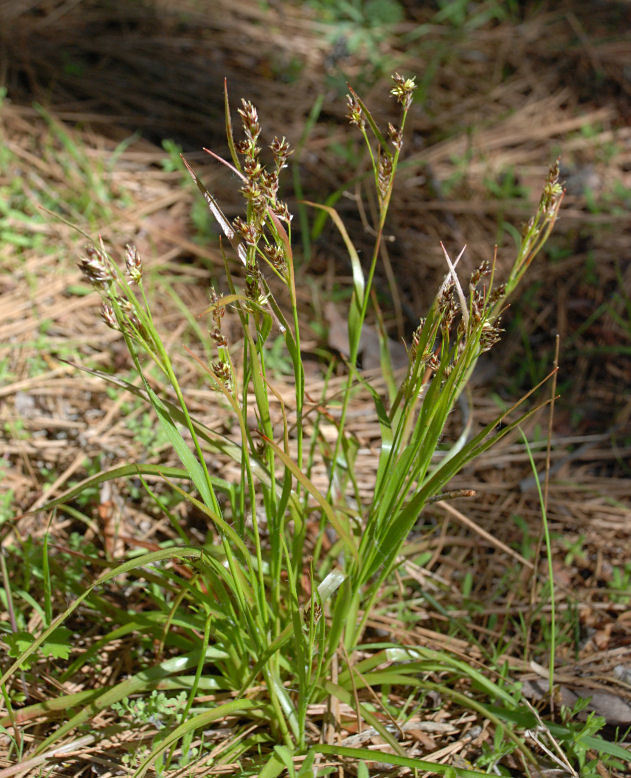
267 623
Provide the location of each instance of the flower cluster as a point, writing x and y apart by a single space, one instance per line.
355 113
221 366
384 175
96 268
217 314
384 160
460 324
133 264
552 192
99 271
260 191
403 90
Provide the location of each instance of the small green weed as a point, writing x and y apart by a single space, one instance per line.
156 708
620 584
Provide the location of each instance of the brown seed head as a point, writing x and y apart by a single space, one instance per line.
217 335
133 263
276 257
282 211
108 315
396 136
253 194
250 119
281 151
490 335
95 268
249 232
552 191
355 115
252 167
384 175
269 184
222 372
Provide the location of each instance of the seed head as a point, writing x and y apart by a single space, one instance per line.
108 315
276 257
253 194
416 340
476 304
281 151
217 314
252 167
396 136
249 231
552 191
355 114
446 297
403 90
384 175
222 372
282 211
133 263
252 280
483 269
250 119
490 335
247 148
218 336
130 314
433 361
269 184
95 268
497 293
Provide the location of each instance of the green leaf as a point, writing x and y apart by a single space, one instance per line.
395 759
215 440
273 767
345 696
18 642
334 518
306 770
286 757
362 770
57 645
358 273
188 459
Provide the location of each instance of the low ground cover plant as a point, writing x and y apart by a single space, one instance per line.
265 626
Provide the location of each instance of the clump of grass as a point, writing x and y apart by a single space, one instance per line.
270 613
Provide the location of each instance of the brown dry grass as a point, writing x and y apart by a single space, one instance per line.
504 97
